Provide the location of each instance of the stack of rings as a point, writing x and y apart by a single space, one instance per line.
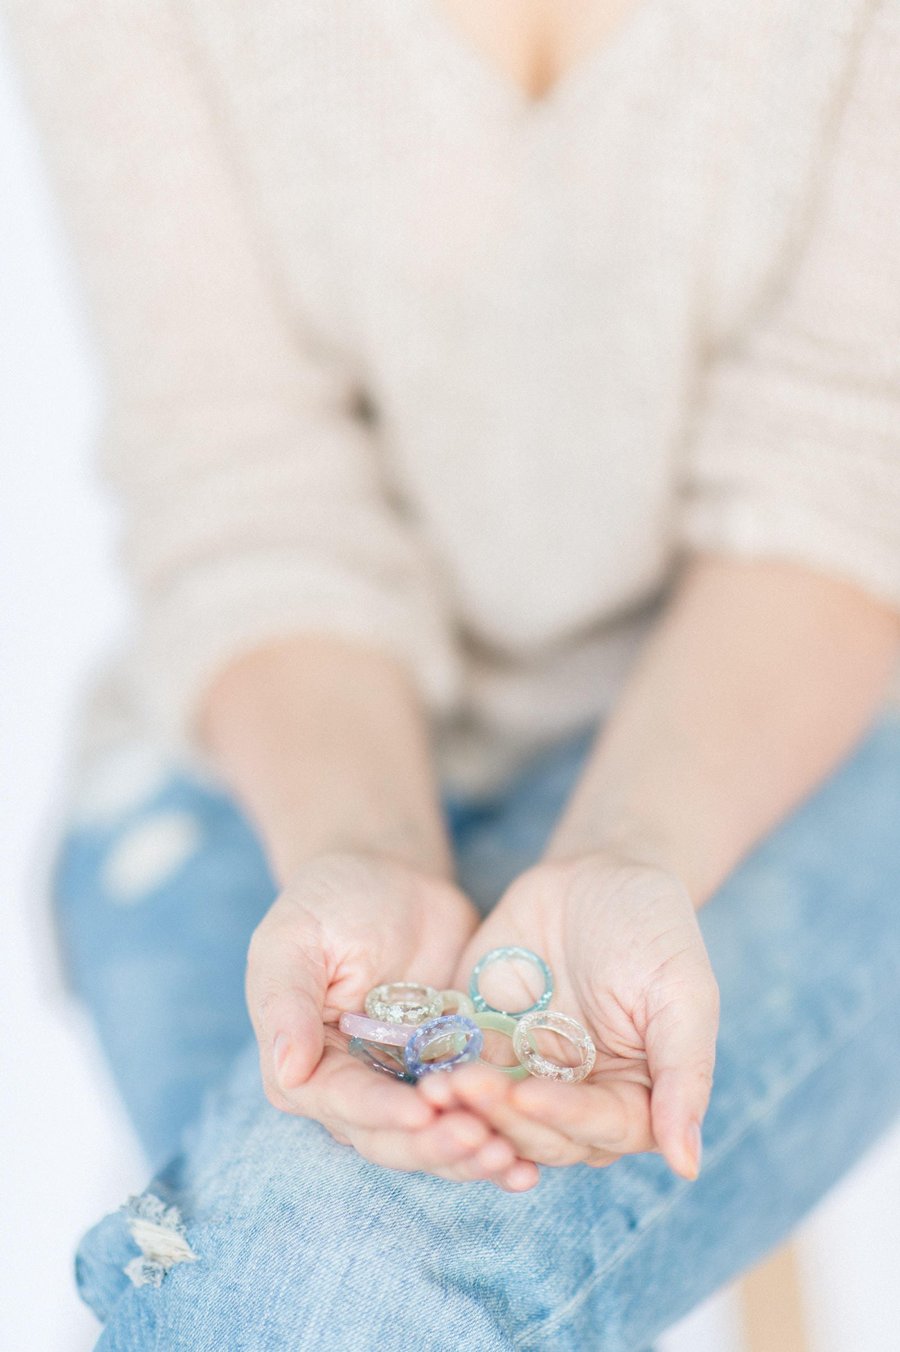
410 1029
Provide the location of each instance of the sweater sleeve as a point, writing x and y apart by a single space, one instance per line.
795 450
252 501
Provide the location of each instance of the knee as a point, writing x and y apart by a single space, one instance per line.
308 1259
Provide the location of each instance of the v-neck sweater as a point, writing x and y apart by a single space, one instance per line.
394 352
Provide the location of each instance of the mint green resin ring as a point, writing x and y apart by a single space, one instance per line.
511 954
494 1022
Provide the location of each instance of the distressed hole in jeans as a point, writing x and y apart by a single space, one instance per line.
158 1231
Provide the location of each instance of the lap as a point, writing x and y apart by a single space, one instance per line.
299 1242
159 884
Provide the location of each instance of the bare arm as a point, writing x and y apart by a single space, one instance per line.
760 679
325 744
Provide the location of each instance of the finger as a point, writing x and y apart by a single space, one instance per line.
495 1158
523 1175
601 1117
495 1162
491 1094
490 1164
601 1159
439 1090
393 1151
446 1152
681 1048
621 1068
338 1136
286 982
498 1157
519 1178
451 1138
345 1094
398 1150
608 1120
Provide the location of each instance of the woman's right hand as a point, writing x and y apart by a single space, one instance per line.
345 923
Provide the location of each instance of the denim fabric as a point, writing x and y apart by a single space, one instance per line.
259 1233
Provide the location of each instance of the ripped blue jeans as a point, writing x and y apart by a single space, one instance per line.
258 1232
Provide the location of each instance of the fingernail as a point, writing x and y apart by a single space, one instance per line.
694 1144
280 1050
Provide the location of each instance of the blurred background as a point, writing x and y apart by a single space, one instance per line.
66 1151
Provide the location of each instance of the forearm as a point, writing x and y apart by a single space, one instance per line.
325 745
760 678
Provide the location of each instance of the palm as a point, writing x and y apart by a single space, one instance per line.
417 938
342 926
393 949
601 974
624 949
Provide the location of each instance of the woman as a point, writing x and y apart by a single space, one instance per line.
503 401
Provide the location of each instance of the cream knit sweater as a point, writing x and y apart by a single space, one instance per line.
395 353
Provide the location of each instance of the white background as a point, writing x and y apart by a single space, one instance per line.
66 1152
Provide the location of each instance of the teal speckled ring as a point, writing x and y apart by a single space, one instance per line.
510 954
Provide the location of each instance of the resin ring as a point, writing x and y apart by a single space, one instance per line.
429 1036
404 1002
456 1002
568 1028
502 1023
375 1030
511 954
380 1058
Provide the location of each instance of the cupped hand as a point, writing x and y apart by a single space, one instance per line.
629 962
345 923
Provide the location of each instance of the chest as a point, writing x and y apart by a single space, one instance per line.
408 182
535 43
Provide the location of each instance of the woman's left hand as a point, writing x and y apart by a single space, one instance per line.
629 962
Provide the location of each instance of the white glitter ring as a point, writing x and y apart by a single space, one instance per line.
405 1002
566 1027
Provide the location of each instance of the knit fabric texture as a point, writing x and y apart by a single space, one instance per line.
394 352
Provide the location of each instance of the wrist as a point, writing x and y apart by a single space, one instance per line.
291 846
625 836
628 840
326 746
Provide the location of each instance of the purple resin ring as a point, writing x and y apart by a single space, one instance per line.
448 1027
376 1030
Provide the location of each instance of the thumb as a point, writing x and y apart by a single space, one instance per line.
286 983
681 1052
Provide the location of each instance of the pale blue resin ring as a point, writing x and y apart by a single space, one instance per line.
428 1036
384 1059
513 954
